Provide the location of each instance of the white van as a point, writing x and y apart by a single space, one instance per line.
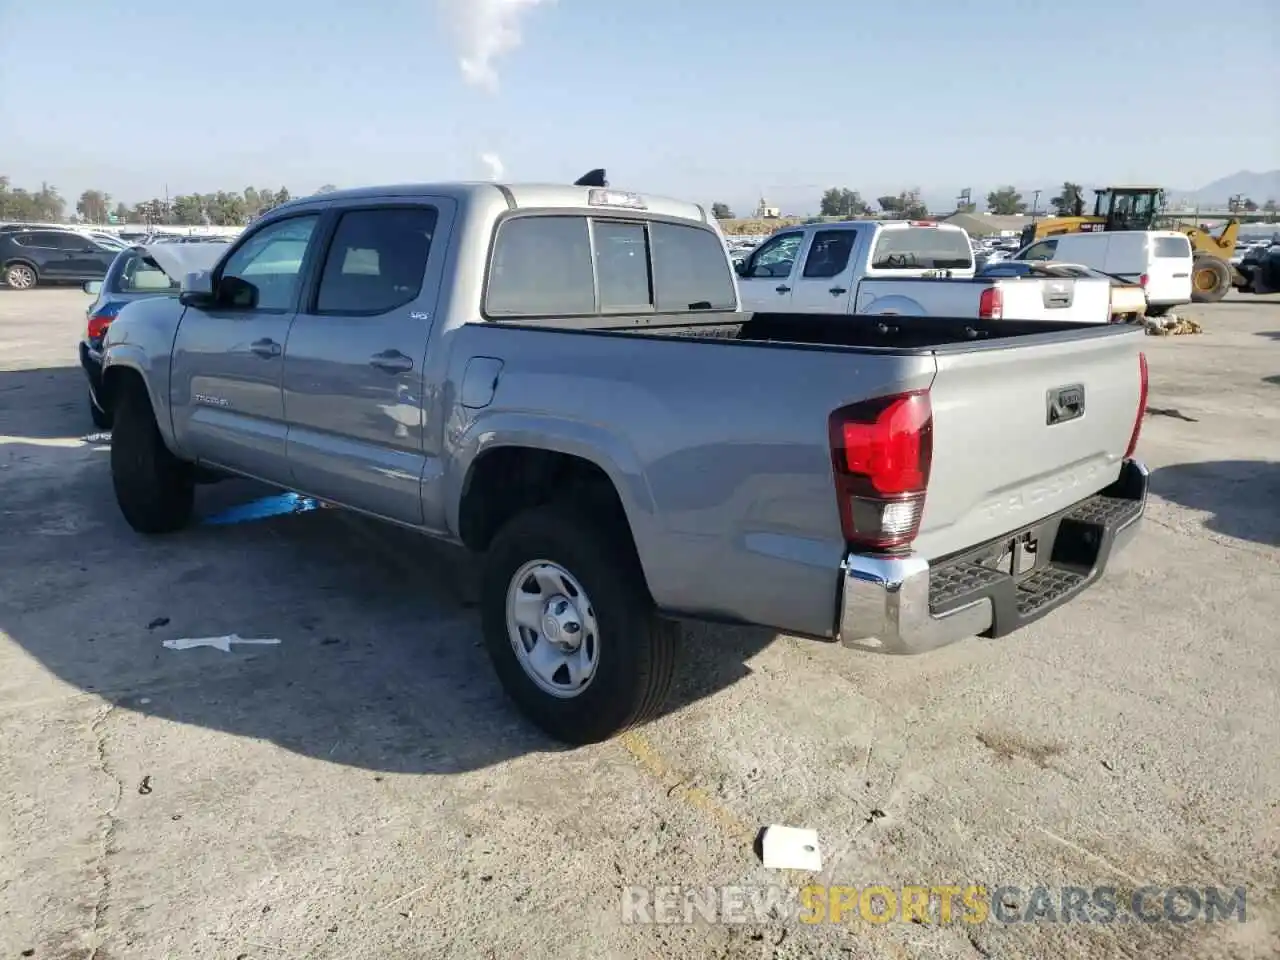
1160 260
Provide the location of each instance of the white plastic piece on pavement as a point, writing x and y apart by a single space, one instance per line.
791 848
218 643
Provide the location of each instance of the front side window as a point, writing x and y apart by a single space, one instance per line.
270 264
377 260
776 257
1043 250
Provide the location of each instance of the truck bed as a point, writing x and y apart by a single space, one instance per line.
905 335
717 429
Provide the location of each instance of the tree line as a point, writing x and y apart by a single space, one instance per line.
1004 201
223 208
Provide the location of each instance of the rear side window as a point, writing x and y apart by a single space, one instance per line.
554 266
829 253
1172 247
39 241
689 269
541 267
376 261
927 248
137 274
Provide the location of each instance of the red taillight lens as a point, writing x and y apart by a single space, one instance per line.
1142 406
98 324
1143 280
991 304
881 452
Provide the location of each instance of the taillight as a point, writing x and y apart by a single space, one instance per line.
1143 280
881 452
100 319
991 304
1142 406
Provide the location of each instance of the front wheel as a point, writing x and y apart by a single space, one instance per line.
570 627
1210 280
155 490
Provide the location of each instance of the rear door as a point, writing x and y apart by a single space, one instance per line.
228 358
1169 273
353 366
824 282
766 279
1001 458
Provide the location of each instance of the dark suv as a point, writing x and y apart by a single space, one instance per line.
30 257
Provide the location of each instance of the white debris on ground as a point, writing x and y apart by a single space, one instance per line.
791 848
218 643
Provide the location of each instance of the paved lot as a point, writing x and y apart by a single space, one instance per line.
362 789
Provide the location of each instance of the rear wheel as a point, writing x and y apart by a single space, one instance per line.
20 276
155 490
570 627
1210 279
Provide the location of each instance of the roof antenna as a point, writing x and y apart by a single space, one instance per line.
593 179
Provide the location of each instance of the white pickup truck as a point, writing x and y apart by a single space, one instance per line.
904 268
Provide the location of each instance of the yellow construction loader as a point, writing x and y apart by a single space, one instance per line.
1138 208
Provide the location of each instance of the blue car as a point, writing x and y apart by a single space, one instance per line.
137 273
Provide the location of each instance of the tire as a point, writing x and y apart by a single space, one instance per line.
21 276
634 649
1210 280
154 489
101 419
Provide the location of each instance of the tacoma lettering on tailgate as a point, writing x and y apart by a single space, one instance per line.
1013 504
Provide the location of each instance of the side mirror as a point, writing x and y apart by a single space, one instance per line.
197 289
93 287
740 267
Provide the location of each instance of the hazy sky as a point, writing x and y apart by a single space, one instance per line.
705 99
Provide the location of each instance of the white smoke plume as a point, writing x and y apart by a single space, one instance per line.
485 30
494 163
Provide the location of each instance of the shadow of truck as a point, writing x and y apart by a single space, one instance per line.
1242 496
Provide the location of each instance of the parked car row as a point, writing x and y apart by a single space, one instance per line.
32 254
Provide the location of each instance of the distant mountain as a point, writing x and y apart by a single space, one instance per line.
1258 187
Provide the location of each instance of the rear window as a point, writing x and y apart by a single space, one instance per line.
581 266
1172 247
921 248
139 274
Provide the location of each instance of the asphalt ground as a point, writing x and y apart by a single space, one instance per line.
363 789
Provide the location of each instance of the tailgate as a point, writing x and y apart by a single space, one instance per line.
1009 447
1082 300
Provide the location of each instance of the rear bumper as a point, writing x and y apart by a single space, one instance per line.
903 604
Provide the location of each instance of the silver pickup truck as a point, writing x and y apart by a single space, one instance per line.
561 377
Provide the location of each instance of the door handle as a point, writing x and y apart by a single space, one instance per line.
838 291
391 361
782 288
265 348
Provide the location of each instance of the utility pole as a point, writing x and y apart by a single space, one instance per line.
1035 204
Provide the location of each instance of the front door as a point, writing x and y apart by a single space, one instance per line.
228 358
765 281
823 285
354 395
85 259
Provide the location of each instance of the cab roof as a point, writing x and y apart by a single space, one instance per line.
523 196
